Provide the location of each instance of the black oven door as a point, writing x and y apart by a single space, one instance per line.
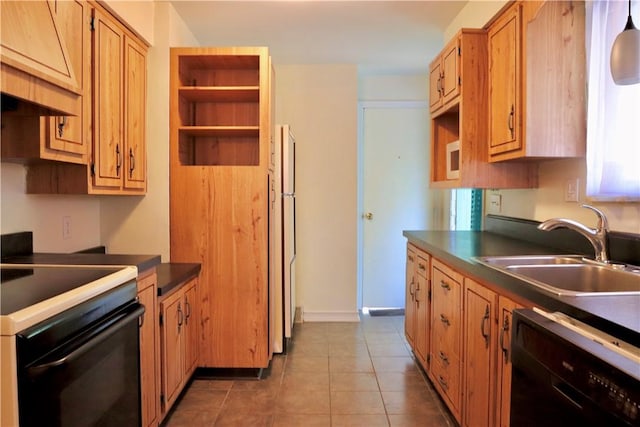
561 378
90 380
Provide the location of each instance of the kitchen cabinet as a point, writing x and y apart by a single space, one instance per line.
25 134
503 380
479 379
458 99
117 152
220 137
537 69
444 76
149 349
178 332
38 64
446 335
417 311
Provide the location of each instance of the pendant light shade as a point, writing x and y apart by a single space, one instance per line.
625 55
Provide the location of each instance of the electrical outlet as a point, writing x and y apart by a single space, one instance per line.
495 203
571 189
66 227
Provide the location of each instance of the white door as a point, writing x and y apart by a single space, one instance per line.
395 181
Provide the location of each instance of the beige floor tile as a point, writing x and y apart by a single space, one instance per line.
360 381
301 403
293 420
306 381
418 420
202 400
240 419
384 349
340 420
399 381
350 364
310 348
356 402
211 384
348 348
251 401
394 364
304 363
412 401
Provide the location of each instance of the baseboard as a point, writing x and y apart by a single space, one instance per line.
332 316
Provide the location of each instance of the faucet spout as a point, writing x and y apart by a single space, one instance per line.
598 237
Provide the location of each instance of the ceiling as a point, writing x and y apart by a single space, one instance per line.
379 36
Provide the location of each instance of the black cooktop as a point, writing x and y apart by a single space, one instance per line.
23 286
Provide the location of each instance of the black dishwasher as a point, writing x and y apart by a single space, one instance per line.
562 377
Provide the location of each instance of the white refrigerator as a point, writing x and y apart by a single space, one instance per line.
285 233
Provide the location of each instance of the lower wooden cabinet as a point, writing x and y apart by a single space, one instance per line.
149 347
468 333
418 303
178 335
479 379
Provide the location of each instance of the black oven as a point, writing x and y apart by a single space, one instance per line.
81 367
561 377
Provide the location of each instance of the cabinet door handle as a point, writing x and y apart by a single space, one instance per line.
483 326
180 316
132 162
187 308
445 285
443 357
410 258
444 320
118 159
62 122
422 267
411 290
510 121
503 332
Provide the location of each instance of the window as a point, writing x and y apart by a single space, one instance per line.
613 118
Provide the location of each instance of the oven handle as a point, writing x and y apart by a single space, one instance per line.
38 370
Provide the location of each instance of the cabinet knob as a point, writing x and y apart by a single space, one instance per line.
444 320
368 216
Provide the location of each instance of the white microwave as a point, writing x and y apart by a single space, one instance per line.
453 160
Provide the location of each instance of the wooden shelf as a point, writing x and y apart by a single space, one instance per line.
220 93
220 131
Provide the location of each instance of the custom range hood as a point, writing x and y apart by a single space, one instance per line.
36 68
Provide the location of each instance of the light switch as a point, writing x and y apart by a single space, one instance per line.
571 190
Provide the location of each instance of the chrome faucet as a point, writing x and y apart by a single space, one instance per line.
598 237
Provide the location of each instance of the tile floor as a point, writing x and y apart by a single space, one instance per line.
335 374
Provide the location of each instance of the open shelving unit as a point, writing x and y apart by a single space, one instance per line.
219 110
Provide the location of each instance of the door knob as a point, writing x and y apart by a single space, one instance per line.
368 216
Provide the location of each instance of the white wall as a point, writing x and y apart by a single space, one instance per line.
547 201
43 214
141 224
320 104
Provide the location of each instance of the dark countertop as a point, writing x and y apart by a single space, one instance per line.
142 262
173 274
616 315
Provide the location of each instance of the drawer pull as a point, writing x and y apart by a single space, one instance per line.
444 320
422 267
445 285
503 332
443 357
443 382
410 258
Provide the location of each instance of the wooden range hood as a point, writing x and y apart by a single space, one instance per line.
34 59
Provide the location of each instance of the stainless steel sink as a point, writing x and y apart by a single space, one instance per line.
569 275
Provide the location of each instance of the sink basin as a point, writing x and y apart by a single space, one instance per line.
568 275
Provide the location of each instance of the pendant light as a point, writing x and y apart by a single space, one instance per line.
625 55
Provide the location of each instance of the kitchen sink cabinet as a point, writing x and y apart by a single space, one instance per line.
446 335
149 349
537 71
458 100
116 156
480 340
417 311
25 134
503 380
178 333
220 133
38 58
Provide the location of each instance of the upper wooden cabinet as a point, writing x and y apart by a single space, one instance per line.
36 62
537 92
444 77
116 163
458 99
25 135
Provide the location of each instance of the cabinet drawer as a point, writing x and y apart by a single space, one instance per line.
422 266
446 337
447 378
